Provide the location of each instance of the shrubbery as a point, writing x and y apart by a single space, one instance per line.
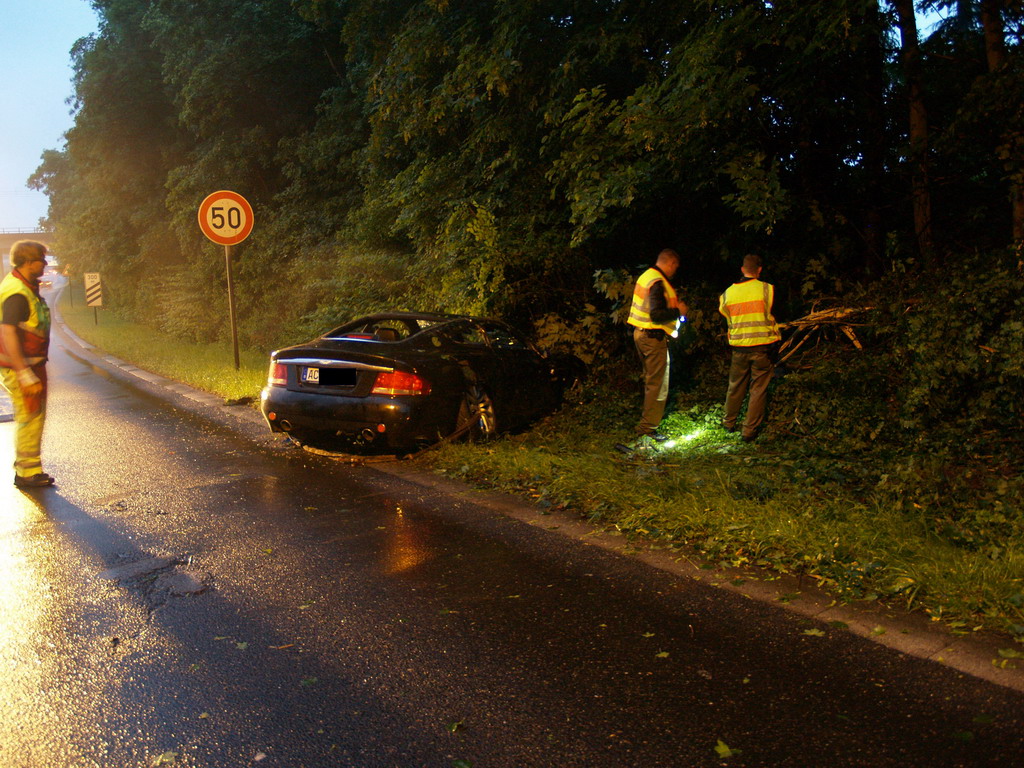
941 364
928 415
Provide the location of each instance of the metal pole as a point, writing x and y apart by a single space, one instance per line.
95 316
231 303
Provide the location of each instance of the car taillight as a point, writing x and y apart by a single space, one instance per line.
400 383
277 376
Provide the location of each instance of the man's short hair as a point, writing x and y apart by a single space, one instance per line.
751 262
668 253
25 251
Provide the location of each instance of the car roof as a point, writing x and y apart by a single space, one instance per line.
430 319
435 317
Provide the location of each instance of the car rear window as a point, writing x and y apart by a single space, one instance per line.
380 330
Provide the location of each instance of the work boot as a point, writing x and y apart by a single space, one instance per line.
39 480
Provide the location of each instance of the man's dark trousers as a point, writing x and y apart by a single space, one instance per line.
751 370
652 347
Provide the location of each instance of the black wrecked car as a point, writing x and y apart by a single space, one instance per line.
400 380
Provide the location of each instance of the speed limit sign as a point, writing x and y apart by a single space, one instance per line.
225 217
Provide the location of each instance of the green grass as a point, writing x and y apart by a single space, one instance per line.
210 367
832 515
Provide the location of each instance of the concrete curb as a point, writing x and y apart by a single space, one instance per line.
907 632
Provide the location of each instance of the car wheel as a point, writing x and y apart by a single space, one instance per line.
478 408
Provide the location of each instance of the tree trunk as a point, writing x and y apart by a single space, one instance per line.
874 138
911 58
995 54
995 42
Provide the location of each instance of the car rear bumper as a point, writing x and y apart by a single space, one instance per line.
396 421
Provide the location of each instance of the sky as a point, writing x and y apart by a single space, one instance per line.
35 84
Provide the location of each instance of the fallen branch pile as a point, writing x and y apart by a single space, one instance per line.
811 325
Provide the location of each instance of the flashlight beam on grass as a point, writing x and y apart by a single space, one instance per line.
669 444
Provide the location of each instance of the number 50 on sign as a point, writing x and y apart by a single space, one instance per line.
225 217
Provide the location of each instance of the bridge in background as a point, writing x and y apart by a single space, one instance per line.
9 237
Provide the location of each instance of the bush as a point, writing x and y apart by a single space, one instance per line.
962 345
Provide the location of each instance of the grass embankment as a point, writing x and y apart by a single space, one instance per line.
782 504
209 367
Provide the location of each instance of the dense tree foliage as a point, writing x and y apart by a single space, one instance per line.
491 155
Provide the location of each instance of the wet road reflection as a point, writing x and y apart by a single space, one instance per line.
25 599
405 547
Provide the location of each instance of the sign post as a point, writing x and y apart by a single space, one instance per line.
226 219
93 294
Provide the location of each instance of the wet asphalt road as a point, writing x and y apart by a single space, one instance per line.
349 618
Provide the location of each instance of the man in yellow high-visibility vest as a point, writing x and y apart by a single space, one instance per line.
24 344
747 306
655 315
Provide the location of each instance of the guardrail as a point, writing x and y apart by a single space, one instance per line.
33 231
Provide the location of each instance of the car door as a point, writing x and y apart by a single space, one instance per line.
521 376
469 347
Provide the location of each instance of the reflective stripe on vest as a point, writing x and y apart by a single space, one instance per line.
748 308
34 333
640 312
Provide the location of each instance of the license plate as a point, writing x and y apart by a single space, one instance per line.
311 375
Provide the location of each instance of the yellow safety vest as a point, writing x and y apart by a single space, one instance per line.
748 308
640 312
34 333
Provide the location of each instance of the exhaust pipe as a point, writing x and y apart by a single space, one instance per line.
285 425
368 435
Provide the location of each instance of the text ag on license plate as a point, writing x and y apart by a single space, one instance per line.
310 375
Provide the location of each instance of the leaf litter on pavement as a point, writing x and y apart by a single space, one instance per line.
724 750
